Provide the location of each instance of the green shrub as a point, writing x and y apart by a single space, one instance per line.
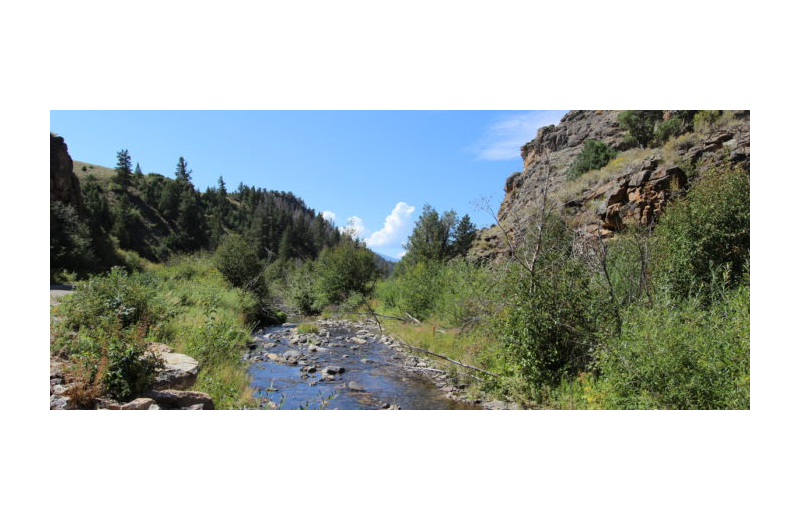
705 235
218 340
665 130
115 296
418 289
593 156
237 260
300 290
640 125
346 269
551 317
70 239
705 119
680 354
108 359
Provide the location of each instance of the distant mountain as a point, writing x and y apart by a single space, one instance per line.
388 258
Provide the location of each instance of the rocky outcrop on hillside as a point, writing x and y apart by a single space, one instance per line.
638 193
64 185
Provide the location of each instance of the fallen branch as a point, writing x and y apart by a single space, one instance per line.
381 315
412 347
415 320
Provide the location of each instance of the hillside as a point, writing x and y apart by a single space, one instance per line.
634 187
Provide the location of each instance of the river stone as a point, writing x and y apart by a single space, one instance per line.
59 402
176 399
356 387
179 372
330 370
273 357
360 341
140 403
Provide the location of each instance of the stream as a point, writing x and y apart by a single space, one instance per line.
344 366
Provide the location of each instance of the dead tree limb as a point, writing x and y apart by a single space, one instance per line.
459 363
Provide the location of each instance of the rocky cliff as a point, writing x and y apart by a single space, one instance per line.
632 188
64 185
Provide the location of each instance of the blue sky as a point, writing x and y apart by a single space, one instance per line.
377 168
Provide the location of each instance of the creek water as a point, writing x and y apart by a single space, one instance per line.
339 368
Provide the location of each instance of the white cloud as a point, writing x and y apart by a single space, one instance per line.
329 215
389 239
395 228
402 253
503 139
355 227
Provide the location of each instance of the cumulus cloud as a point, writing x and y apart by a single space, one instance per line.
395 228
503 139
329 215
389 239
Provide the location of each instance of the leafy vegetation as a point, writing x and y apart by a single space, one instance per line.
593 156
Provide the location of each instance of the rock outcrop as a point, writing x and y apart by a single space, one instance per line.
64 184
638 193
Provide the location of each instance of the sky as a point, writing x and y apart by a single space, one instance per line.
370 170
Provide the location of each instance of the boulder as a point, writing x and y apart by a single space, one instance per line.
179 372
140 403
177 399
59 402
356 387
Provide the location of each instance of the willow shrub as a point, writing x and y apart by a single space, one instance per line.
706 233
681 354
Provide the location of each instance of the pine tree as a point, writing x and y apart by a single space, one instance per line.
138 171
463 236
123 168
182 171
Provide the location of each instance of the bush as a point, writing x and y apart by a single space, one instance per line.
107 359
418 289
116 296
640 124
238 262
551 317
300 291
705 235
70 240
705 119
667 129
346 269
217 341
593 156
308 328
681 354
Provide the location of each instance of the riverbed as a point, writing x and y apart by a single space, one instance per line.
345 366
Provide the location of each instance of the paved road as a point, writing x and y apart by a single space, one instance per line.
57 291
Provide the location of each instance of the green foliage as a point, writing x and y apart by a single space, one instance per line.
111 359
123 168
70 239
705 119
346 269
681 354
705 235
300 290
116 296
218 340
438 237
593 156
665 130
640 125
308 328
238 262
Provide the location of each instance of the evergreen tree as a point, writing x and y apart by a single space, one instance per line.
640 125
431 238
463 236
138 171
123 168
182 171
